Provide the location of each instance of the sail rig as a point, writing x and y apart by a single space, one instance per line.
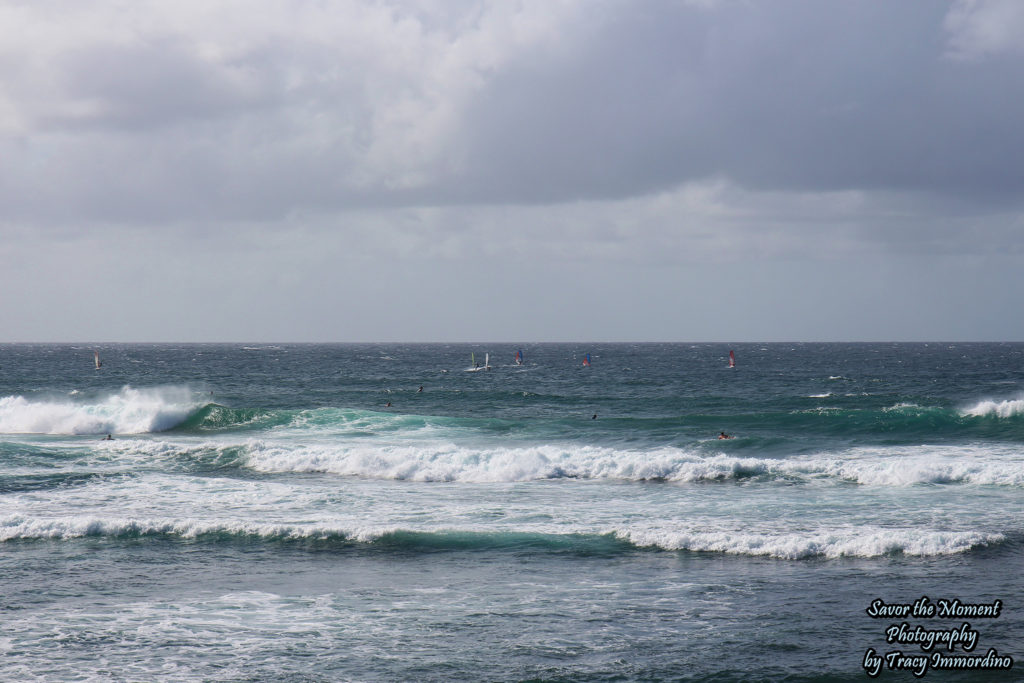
476 367
732 359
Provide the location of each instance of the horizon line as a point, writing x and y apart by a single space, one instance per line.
492 341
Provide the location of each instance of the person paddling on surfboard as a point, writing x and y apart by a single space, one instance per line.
723 435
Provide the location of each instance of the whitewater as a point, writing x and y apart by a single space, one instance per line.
373 512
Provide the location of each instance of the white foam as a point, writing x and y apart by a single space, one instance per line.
1003 409
852 542
18 527
913 465
903 407
449 462
789 545
130 411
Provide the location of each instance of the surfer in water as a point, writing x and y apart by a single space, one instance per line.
723 435
108 437
388 404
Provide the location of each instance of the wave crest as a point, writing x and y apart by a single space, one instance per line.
1002 409
129 411
828 544
449 462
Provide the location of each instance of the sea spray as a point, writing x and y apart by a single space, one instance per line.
128 411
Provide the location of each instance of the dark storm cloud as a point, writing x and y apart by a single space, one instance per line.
209 115
796 96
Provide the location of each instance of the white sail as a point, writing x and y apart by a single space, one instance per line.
476 367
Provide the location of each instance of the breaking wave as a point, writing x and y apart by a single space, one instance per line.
451 462
849 542
828 544
1000 409
129 411
140 411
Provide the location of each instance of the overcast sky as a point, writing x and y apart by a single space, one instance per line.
558 170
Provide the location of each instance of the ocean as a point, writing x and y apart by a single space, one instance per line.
374 512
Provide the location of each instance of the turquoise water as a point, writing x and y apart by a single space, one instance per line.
261 513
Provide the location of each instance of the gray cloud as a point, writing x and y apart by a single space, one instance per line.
799 96
280 153
608 101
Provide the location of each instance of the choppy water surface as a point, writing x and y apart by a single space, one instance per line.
262 513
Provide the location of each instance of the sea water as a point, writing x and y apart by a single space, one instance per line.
261 513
